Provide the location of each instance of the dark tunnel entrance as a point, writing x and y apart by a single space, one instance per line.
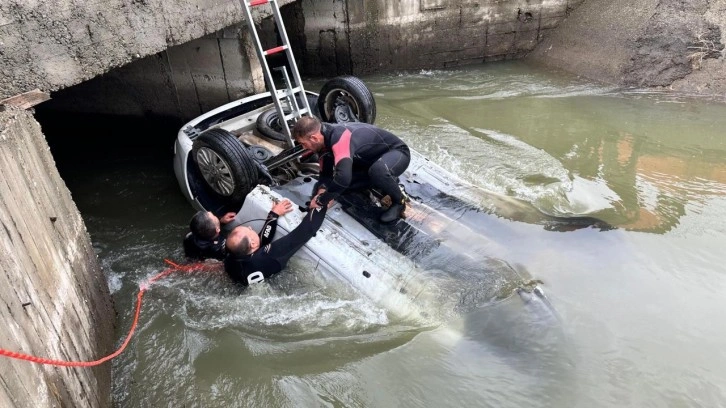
137 109
89 140
134 112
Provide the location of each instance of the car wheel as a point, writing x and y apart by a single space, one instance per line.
268 122
346 99
225 164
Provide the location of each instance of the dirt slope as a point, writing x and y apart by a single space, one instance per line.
678 44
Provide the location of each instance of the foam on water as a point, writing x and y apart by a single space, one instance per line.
263 307
497 162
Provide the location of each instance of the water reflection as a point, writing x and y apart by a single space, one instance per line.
633 314
637 160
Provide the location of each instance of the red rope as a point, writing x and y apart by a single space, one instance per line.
198 266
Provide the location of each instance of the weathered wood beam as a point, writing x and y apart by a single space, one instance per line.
25 100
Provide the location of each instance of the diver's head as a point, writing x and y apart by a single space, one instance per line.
306 133
204 225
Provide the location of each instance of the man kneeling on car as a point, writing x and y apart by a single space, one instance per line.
355 155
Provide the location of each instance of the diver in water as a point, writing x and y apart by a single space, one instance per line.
354 156
253 257
206 238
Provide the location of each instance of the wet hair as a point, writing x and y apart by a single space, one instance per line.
203 226
236 246
244 246
305 126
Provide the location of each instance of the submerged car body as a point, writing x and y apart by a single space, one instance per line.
426 266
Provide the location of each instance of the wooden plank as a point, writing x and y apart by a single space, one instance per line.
26 100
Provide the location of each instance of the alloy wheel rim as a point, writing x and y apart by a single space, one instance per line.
342 106
216 171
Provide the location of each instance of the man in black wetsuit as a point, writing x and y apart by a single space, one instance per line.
355 155
205 239
252 258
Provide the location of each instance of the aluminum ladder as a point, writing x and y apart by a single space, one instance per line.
292 89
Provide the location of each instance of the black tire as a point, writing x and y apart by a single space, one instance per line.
313 102
268 122
225 164
269 126
346 99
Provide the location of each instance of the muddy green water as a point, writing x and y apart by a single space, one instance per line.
639 308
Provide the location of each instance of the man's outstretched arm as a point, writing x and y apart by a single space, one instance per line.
270 227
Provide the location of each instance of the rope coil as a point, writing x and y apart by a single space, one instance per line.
143 287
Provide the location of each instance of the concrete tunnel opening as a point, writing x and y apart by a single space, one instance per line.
138 108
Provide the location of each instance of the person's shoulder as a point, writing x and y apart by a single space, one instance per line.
333 129
231 257
191 249
236 263
362 127
233 266
328 128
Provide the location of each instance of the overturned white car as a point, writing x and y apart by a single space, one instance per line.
237 156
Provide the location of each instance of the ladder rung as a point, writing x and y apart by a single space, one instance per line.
286 98
300 112
294 90
275 50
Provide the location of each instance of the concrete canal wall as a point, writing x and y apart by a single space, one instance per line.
52 45
179 59
54 300
677 44
329 38
179 83
381 36
55 44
